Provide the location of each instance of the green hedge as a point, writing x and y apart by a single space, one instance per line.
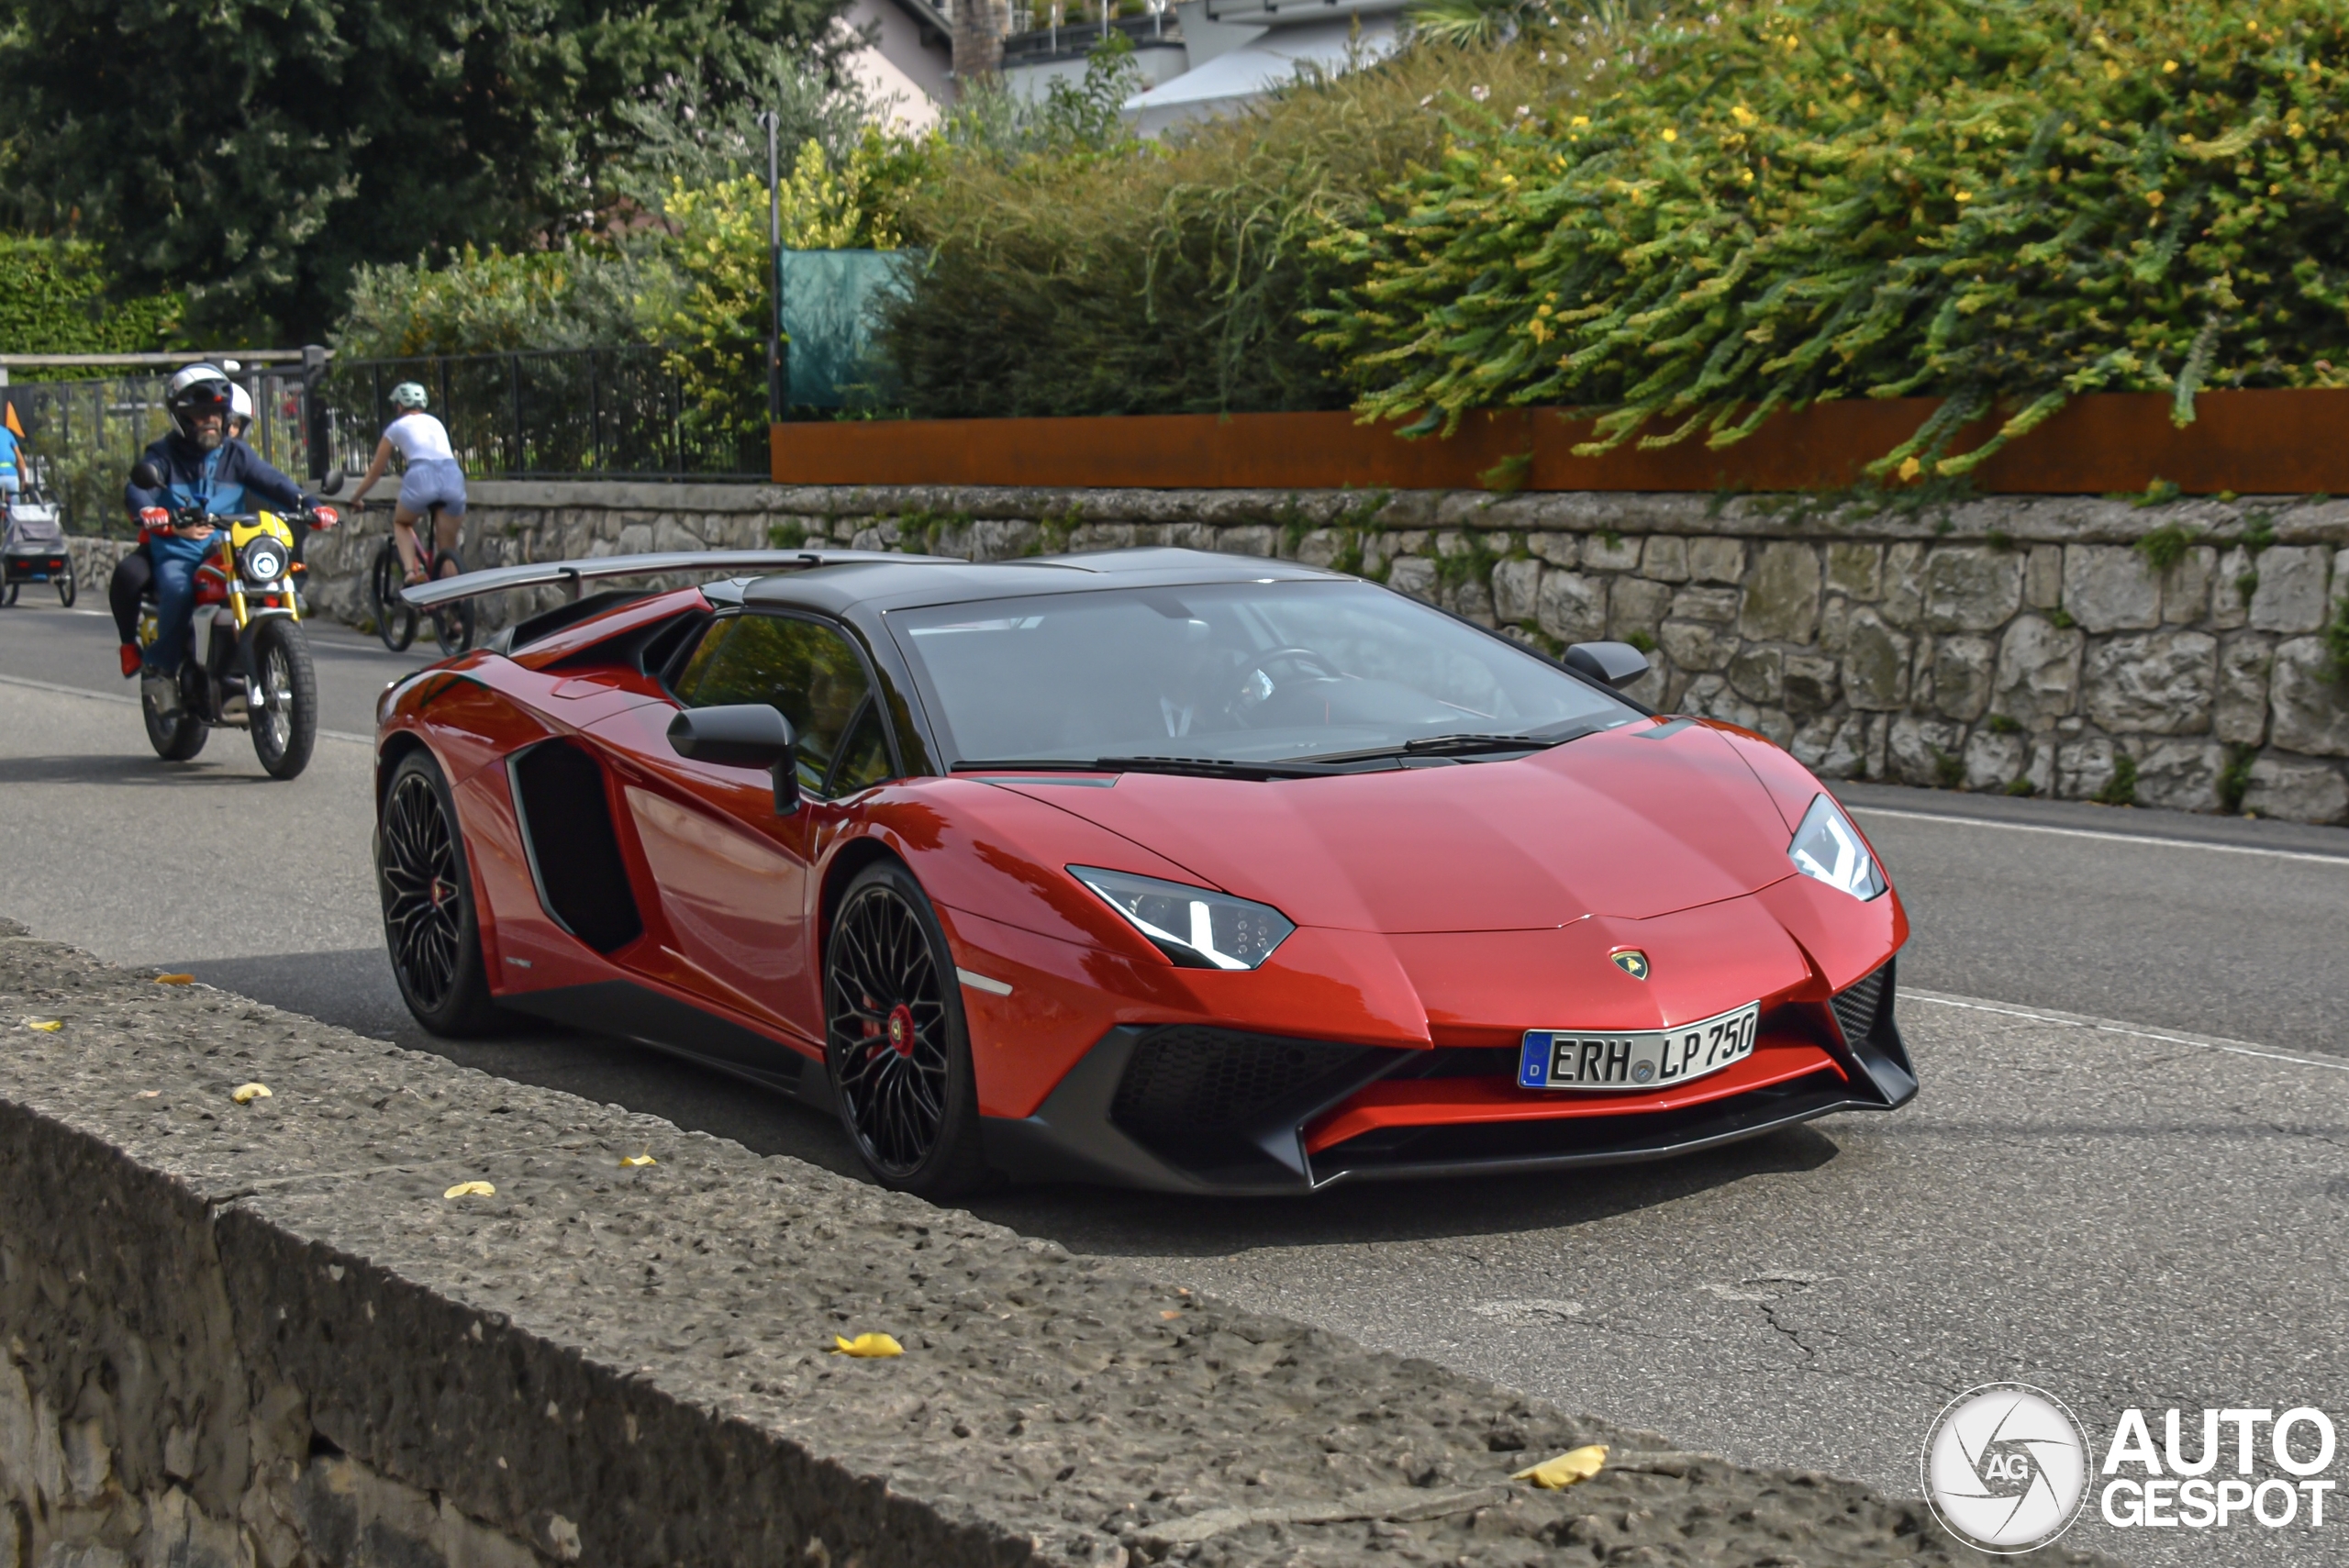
2002 201
1096 274
54 299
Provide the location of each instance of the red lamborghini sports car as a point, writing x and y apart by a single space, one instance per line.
1190 871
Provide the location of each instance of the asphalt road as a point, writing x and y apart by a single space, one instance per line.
2132 1216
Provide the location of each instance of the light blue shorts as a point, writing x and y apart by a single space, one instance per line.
433 482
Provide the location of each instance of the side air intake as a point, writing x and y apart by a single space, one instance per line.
566 817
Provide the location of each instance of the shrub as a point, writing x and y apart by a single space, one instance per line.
485 301
2004 202
1086 273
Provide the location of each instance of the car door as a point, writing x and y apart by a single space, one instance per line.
733 876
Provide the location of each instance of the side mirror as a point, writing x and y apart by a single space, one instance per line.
742 735
332 484
1610 663
146 475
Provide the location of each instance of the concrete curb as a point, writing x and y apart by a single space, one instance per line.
261 1334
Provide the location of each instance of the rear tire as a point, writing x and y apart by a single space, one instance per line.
286 727
177 738
67 589
897 1046
11 600
430 923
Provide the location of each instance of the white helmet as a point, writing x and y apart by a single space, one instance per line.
241 410
199 389
408 397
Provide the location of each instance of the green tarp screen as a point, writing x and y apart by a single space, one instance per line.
829 298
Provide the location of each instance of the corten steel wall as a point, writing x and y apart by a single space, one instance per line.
2270 442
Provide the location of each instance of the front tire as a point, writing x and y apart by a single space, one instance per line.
896 1047
394 616
430 923
283 703
452 624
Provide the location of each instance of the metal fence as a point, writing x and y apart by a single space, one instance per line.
623 413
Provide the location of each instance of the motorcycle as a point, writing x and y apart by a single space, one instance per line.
248 666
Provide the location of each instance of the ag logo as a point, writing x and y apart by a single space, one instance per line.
2006 1468
1631 961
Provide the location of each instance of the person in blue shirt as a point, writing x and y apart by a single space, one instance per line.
201 463
12 462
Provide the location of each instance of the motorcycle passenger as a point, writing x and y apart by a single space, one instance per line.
136 571
430 477
202 463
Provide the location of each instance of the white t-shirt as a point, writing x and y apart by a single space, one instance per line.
420 438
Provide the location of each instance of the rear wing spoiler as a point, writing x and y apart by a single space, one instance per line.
570 574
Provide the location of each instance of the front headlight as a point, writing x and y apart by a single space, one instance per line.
1827 848
1195 927
262 560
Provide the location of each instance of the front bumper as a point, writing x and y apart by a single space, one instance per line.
1187 1109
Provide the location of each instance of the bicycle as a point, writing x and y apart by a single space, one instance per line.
396 619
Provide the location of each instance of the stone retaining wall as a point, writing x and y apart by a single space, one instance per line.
268 1336
2006 644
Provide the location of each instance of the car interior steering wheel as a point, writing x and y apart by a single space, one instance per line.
1245 694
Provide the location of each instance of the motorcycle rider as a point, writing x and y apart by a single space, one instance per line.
202 463
136 571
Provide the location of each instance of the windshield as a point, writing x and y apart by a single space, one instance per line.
1244 671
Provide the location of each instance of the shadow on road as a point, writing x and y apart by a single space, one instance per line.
135 770
1114 1223
354 990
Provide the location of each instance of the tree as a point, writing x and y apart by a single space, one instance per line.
255 151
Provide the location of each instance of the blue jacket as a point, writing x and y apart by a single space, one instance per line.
220 478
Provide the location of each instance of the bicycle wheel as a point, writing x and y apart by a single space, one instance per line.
395 617
452 624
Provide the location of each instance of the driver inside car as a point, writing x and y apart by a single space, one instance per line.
202 464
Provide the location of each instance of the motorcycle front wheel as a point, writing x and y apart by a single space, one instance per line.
283 701
176 738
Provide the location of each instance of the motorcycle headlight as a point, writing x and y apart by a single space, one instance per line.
262 560
1827 848
1195 927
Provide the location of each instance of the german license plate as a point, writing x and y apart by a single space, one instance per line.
1636 1060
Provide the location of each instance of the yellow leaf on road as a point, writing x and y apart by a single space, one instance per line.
637 1162
471 1189
175 980
46 1025
246 1093
867 1345
1575 1464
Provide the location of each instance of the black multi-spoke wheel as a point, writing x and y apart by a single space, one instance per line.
429 922
896 1046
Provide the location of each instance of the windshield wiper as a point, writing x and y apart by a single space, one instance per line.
1193 767
1464 745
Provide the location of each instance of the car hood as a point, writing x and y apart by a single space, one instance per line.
1631 823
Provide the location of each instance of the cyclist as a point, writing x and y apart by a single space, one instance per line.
430 478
